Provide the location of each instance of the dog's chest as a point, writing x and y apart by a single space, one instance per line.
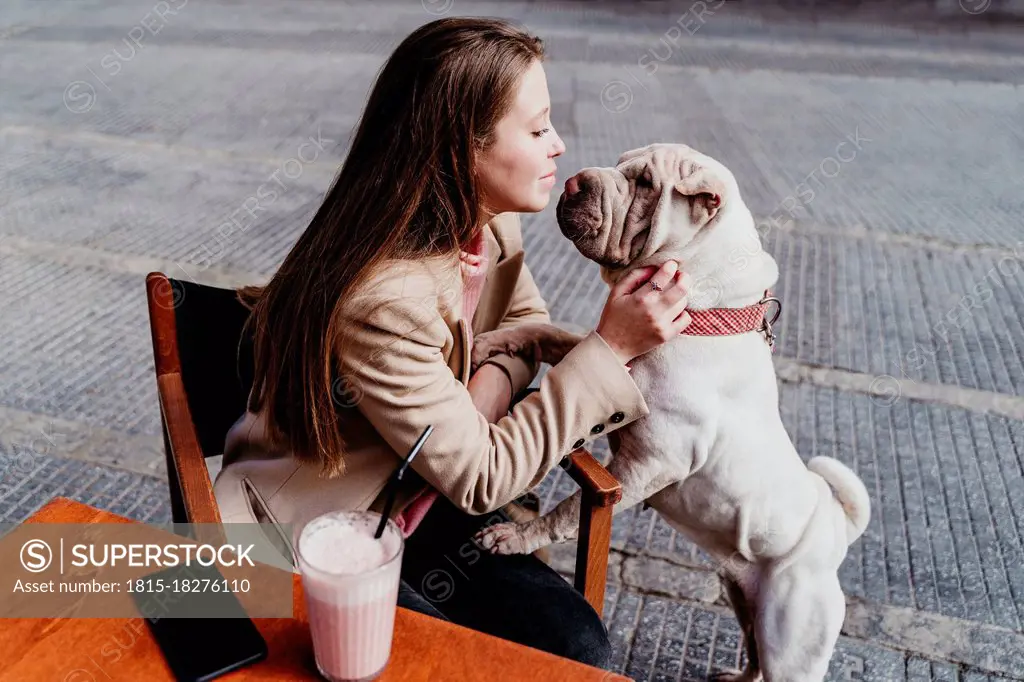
698 389
698 368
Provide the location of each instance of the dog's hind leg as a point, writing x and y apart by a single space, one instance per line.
800 611
745 615
640 478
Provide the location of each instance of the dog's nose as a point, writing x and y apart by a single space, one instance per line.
572 185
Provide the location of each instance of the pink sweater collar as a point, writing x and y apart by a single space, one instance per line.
474 257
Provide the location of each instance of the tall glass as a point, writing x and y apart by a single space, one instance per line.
350 580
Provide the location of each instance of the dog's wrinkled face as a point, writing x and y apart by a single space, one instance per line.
657 198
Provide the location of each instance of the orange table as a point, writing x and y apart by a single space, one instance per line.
105 649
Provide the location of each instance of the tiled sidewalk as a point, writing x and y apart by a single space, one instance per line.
922 225
27 485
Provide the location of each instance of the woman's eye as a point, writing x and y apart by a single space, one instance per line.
542 132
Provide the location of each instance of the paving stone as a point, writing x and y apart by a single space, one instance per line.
646 55
141 215
922 465
944 672
986 647
136 496
648 635
84 363
622 622
918 670
655 638
655 575
880 24
563 559
611 597
857 661
973 676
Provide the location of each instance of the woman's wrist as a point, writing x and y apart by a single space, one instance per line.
508 376
624 356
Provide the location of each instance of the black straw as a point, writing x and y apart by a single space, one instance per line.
393 483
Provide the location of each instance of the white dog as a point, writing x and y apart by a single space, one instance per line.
712 457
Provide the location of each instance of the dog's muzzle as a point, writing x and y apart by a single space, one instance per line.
578 210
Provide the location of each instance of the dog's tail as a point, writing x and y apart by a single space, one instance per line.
849 490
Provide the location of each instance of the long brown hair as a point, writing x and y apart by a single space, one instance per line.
405 190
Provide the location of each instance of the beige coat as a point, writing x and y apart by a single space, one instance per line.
408 365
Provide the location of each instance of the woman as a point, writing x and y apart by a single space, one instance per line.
362 338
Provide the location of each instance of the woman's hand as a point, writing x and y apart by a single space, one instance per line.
491 392
637 317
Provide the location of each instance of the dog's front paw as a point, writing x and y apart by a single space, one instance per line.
488 344
505 538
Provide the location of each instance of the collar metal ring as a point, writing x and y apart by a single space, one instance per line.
768 300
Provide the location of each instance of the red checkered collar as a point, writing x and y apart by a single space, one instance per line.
726 321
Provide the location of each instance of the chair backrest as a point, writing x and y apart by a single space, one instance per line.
216 362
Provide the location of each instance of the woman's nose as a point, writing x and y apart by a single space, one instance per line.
559 146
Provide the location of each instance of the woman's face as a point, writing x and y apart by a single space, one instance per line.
517 173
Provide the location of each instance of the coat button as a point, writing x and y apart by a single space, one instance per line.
597 429
578 444
617 417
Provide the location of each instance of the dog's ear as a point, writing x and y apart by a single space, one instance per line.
704 188
632 154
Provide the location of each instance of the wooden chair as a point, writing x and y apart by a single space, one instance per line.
204 371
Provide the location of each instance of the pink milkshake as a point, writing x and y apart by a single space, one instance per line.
351 581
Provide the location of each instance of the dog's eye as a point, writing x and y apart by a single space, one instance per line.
643 181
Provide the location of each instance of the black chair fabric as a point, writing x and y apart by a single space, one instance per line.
216 362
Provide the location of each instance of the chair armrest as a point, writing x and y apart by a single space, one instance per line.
189 463
600 491
600 486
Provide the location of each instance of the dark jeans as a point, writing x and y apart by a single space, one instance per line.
445 574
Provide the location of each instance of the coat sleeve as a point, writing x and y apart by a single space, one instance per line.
527 306
394 361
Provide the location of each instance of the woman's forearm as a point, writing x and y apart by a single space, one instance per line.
491 392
